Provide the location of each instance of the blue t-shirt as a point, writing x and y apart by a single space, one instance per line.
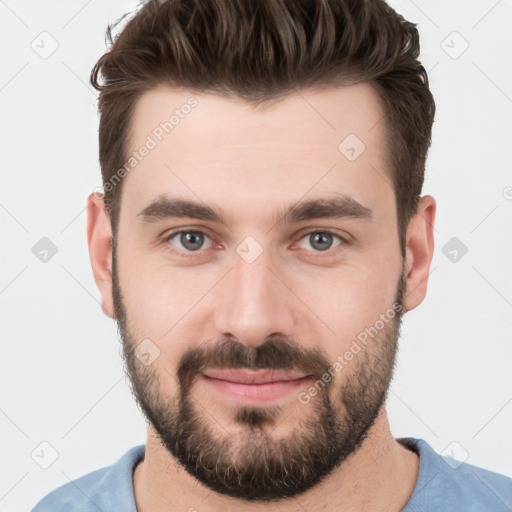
443 485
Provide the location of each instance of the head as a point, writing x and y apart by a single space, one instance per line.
262 167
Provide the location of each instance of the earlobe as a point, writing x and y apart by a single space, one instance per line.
99 238
419 252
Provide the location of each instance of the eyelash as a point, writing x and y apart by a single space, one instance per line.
195 254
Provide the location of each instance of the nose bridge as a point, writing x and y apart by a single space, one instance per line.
253 303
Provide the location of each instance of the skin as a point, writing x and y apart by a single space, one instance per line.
250 163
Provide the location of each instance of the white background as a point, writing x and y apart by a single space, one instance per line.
61 376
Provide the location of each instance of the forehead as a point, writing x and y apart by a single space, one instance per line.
316 115
224 149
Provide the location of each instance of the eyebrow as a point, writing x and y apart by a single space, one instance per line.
337 207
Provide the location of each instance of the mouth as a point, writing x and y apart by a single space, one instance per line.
246 386
253 377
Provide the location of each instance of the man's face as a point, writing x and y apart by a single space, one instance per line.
310 293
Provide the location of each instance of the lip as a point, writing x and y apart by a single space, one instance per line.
244 388
253 377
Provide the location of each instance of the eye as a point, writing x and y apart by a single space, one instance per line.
321 240
189 241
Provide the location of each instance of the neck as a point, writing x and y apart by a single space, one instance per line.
381 475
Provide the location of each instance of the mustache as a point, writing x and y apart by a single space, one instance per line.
276 353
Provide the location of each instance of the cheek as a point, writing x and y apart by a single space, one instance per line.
347 301
159 298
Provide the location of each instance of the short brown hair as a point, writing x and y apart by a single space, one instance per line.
262 50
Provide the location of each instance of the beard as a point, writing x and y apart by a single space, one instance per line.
253 465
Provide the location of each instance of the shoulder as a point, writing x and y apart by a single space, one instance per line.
73 495
445 483
107 488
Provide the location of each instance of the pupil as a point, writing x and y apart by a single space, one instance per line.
319 238
192 241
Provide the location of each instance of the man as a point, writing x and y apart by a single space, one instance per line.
260 236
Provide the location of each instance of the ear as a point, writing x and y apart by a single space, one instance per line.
419 252
99 239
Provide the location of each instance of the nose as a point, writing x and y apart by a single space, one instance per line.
253 303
